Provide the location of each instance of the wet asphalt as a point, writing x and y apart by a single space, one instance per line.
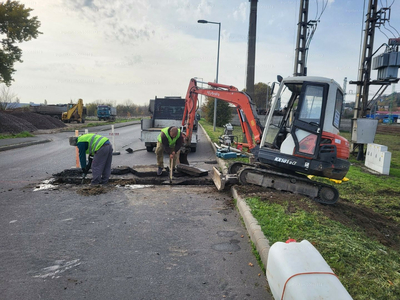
155 242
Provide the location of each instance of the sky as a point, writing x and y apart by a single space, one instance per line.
130 51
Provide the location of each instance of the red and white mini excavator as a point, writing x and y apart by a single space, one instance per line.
300 136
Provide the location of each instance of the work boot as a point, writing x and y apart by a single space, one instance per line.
159 171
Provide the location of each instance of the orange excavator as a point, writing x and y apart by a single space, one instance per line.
300 136
245 108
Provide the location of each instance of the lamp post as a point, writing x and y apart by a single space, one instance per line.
216 78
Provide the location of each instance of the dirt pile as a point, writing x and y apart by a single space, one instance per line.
16 122
388 128
12 124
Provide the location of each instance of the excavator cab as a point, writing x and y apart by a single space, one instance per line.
302 128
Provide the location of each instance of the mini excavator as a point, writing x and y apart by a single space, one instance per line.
300 136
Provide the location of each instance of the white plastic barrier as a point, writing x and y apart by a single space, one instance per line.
298 271
378 158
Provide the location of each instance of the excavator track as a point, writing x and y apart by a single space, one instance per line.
319 192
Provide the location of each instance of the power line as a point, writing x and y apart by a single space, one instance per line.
383 33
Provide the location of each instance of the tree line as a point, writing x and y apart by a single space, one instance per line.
126 110
261 99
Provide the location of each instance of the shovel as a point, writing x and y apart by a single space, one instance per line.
171 164
89 165
171 171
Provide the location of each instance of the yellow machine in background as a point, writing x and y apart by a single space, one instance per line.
75 112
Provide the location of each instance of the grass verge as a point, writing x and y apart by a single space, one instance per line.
94 124
368 267
22 134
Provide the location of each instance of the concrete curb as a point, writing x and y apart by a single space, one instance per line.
21 145
117 125
253 228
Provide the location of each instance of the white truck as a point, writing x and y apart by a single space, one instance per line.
165 112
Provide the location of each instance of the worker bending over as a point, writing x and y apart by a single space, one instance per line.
99 148
170 140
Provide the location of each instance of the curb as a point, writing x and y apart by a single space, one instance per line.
21 145
26 144
117 125
253 228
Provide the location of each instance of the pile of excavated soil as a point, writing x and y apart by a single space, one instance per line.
16 122
12 124
388 129
39 121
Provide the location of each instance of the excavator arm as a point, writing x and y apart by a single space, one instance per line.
244 106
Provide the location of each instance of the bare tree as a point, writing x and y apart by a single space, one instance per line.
8 100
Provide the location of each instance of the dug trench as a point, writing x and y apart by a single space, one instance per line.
127 176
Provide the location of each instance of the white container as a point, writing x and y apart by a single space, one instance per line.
287 263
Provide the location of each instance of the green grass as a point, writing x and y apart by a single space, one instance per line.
22 134
91 124
367 268
393 144
237 132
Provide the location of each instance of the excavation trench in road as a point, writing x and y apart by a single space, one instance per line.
143 175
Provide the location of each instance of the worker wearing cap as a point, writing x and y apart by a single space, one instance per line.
99 148
170 140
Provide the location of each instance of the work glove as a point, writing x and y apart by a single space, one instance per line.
87 168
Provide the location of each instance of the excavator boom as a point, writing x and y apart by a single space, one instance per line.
245 107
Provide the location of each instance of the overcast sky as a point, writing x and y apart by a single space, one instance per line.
134 50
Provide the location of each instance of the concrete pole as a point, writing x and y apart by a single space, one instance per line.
251 48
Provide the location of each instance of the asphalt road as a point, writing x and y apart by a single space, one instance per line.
157 242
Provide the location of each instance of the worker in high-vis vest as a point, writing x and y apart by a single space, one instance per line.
100 153
170 140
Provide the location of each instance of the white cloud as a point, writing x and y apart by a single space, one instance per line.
241 13
138 49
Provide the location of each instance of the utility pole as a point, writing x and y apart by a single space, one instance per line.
374 18
360 109
300 68
251 48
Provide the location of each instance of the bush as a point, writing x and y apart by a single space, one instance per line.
224 114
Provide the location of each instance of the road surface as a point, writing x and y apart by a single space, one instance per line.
156 242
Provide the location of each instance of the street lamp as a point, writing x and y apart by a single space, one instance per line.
216 78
